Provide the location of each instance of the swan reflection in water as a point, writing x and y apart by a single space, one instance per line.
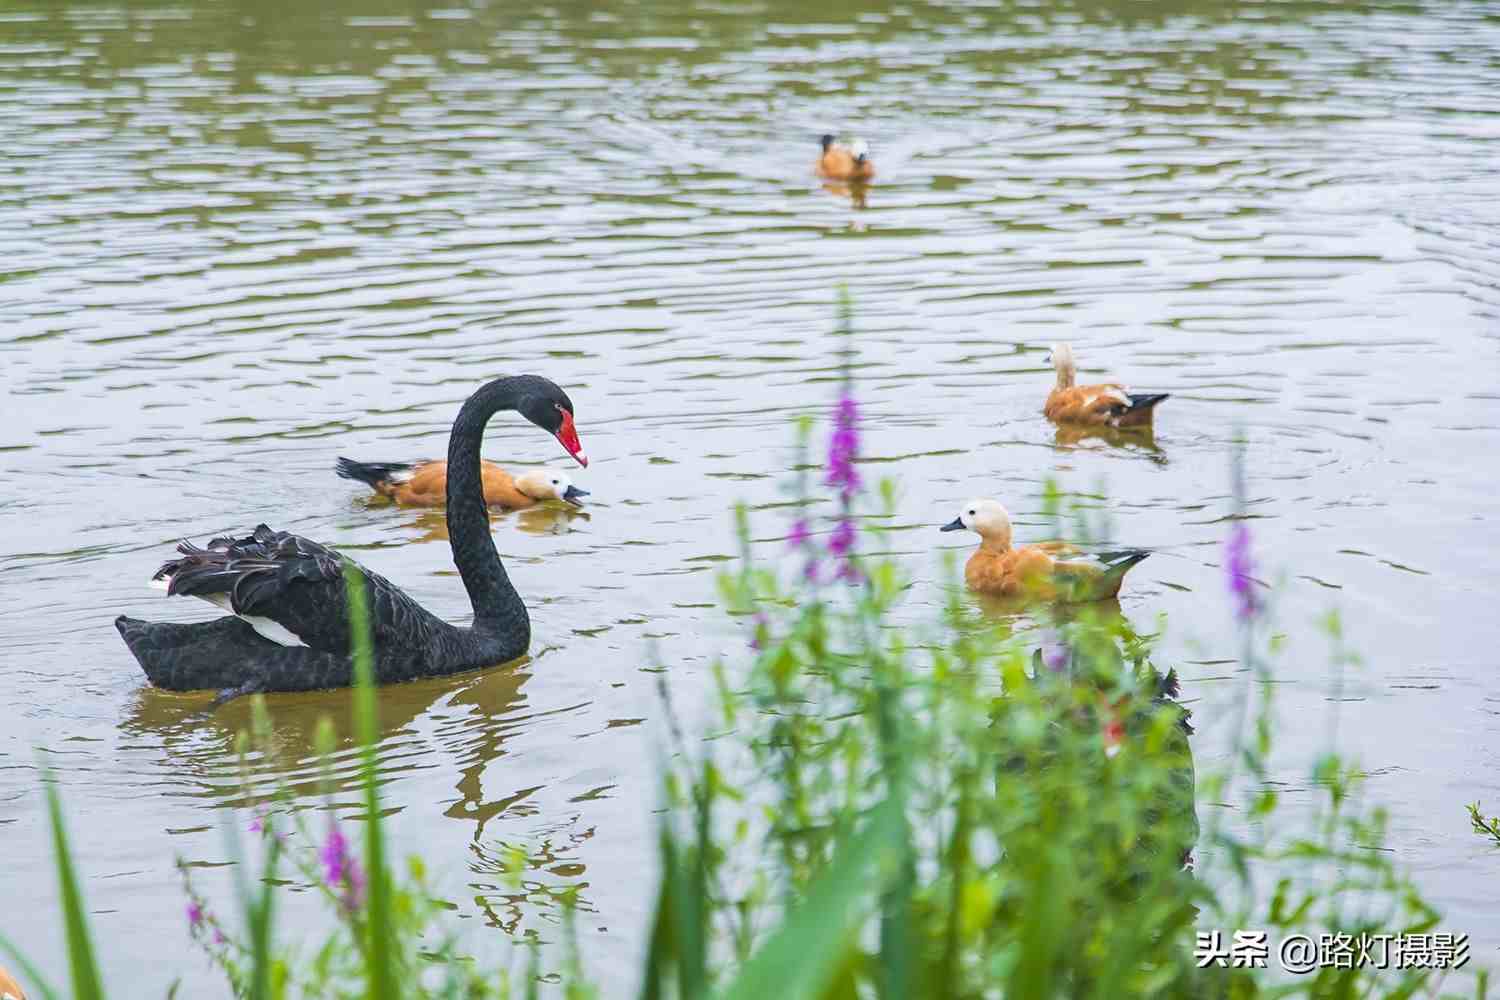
446 730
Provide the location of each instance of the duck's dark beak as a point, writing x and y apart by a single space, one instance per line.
572 494
957 524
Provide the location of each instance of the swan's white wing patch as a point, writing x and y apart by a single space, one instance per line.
265 626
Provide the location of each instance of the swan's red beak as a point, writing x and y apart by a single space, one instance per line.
567 436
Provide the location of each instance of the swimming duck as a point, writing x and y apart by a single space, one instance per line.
9 988
1105 404
842 162
424 484
1035 571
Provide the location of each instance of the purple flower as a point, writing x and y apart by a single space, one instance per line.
1055 652
341 870
843 448
194 914
841 542
219 937
1237 564
258 824
799 535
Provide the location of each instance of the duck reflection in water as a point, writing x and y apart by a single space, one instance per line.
857 192
1093 646
1137 439
545 519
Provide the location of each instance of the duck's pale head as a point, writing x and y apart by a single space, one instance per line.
987 518
550 484
1061 358
860 150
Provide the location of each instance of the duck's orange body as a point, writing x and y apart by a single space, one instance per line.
425 484
1035 571
1103 404
428 487
9 988
844 163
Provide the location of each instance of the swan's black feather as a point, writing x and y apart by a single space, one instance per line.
299 585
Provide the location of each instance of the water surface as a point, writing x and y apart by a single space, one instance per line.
240 239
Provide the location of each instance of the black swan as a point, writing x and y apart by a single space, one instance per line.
293 588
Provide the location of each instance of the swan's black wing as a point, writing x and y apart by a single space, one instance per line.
299 585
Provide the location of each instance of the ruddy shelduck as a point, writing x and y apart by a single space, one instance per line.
841 162
1035 571
1105 404
9 988
425 484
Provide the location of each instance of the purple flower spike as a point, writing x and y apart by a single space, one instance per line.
1055 652
1238 565
341 870
799 535
843 448
194 915
841 542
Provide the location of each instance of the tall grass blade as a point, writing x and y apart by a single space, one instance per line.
261 921
41 989
381 940
82 966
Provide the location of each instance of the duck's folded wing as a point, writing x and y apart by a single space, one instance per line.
296 583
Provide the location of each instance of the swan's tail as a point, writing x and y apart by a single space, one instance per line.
229 656
374 474
1141 409
188 657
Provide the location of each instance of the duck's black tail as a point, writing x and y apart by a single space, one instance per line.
1118 561
1140 409
371 473
1116 565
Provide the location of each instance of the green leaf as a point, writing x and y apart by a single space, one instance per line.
380 953
82 967
801 958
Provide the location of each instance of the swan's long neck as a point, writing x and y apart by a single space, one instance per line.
497 606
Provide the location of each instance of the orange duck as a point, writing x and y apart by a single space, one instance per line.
1105 404
425 484
841 162
1035 571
